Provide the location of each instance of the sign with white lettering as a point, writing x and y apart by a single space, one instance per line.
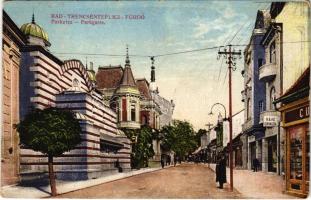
270 121
297 114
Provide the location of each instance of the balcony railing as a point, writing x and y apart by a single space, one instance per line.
267 72
129 124
272 118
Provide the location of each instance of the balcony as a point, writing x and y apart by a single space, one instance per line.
247 125
129 124
267 72
269 118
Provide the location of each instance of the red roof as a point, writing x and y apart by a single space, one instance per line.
143 87
109 77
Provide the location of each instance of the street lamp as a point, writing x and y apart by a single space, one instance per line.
211 113
230 140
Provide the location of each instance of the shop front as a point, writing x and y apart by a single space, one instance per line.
295 120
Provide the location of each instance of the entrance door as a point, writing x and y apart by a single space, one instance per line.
272 154
253 153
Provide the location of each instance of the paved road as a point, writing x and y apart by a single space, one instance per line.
183 181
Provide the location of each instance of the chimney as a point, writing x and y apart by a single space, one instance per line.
91 66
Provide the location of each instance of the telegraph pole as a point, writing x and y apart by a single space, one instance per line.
209 136
231 56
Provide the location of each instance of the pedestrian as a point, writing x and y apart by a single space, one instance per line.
175 160
255 164
162 162
221 171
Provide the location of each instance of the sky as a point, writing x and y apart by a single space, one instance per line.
194 81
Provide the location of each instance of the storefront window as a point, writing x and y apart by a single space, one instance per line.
295 141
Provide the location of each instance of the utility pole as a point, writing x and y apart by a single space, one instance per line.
209 125
209 136
231 56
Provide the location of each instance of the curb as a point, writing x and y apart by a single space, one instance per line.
24 192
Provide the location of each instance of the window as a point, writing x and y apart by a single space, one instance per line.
248 108
272 98
133 112
144 120
260 62
272 53
260 106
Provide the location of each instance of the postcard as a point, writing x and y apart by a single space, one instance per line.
155 99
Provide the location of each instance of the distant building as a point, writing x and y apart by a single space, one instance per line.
237 143
12 42
121 93
47 81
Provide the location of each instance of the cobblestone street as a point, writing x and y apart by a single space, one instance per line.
183 181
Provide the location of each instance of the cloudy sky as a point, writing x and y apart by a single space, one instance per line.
195 81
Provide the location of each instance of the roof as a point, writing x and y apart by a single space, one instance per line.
109 77
143 87
298 90
301 82
34 29
19 37
128 78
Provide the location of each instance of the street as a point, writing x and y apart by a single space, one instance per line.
183 181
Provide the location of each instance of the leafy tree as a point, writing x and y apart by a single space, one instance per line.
180 138
142 148
51 131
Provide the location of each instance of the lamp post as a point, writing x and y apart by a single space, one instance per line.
211 113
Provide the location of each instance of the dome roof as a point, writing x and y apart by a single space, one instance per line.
34 29
91 75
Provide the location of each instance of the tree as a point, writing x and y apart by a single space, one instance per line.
51 131
179 137
142 148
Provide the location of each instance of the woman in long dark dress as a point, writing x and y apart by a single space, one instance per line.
221 171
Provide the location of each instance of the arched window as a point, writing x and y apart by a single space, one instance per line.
133 112
272 53
144 120
75 83
272 98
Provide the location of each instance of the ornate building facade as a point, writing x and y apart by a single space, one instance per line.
47 81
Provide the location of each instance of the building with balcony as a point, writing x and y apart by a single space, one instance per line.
254 92
286 60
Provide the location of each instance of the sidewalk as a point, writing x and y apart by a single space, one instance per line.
66 186
257 184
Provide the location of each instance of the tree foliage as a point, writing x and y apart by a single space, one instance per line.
180 138
142 148
51 131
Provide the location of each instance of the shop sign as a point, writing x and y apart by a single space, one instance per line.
270 121
297 114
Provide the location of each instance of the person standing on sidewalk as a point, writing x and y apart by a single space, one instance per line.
221 176
175 160
162 163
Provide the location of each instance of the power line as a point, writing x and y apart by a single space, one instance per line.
168 54
188 51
